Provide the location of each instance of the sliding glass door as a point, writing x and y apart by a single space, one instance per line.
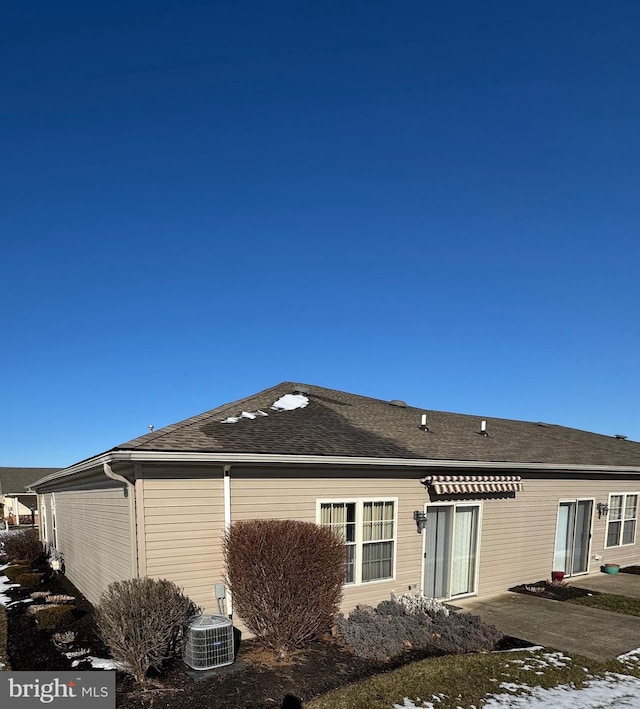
573 537
451 550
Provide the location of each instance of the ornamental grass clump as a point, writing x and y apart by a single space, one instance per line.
286 579
141 622
419 603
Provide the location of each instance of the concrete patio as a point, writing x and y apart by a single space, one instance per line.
601 635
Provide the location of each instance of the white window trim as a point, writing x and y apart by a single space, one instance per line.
54 523
476 581
359 503
622 520
43 519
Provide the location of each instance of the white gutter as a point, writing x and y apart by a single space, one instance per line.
115 476
323 460
226 484
131 492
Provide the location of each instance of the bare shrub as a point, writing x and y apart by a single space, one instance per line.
391 630
23 544
286 579
141 621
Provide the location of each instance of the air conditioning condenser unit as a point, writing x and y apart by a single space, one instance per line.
208 642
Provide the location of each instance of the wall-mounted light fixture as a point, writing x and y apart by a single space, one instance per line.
420 519
603 509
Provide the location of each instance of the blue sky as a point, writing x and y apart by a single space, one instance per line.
436 202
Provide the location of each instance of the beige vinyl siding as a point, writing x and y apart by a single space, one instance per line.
183 530
94 536
294 496
518 535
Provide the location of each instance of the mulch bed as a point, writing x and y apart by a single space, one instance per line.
261 683
552 591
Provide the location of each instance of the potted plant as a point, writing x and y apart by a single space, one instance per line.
611 568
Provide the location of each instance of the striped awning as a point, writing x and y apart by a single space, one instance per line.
478 484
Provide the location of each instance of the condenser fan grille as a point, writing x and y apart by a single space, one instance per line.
208 642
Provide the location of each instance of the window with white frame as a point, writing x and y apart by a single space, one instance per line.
368 530
621 520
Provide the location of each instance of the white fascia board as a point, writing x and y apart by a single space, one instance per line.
278 459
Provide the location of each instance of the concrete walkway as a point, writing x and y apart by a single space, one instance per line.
621 584
601 635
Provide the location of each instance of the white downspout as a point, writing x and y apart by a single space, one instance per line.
226 487
131 492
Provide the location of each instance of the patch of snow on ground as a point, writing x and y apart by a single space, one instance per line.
289 402
98 663
23 600
631 659
4 585
611 690
531 648
557 659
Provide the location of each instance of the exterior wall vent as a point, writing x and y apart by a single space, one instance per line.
208 642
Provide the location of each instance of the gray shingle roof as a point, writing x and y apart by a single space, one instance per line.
340 424
18 479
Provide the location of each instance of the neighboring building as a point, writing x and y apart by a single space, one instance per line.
15 501
426 500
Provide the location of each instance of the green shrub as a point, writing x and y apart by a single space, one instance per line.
29 580
54 617
141 622
23 544
391 630
12 572
286 578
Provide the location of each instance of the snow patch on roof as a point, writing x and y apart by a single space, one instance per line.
288 402
244 415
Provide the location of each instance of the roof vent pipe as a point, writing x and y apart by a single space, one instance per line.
423 423
483 428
